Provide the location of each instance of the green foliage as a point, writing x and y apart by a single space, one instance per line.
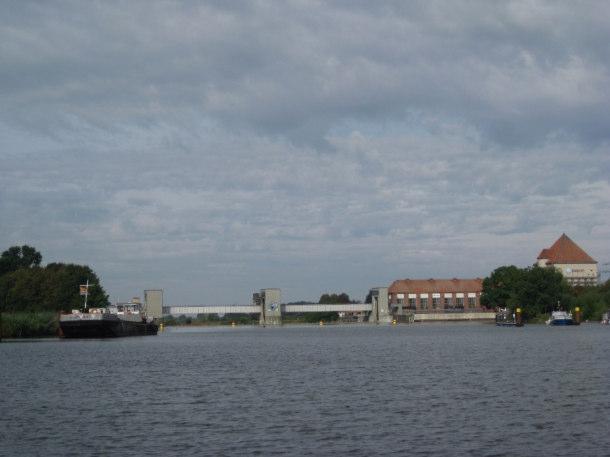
168 320
28 325
536 290
541 290
246 320
310 318
500 289
334 298
25 286
593 301
211 319
317 317
17 257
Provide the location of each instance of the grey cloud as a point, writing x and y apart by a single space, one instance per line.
415 202
518 71
212 149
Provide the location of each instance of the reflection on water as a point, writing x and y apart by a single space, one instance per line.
431 389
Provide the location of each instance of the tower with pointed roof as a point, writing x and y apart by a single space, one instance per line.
578 267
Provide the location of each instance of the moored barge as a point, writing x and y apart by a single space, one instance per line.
126 319
504 318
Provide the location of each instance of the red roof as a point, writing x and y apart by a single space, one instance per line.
564 250
417 286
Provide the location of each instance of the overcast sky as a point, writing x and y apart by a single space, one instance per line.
215 148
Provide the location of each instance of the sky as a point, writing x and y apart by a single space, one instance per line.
215 148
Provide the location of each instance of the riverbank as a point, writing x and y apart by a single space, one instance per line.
29 325
46 324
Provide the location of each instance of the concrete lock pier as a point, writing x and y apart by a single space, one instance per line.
269 301
380 310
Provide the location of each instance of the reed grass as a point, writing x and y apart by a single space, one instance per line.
29 325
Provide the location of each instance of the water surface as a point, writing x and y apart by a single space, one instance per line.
427 389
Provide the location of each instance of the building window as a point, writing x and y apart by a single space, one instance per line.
459 302
400 301
447 301
436 302
423 302
472 301
411 303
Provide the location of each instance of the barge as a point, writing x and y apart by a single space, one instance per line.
126 319
504 318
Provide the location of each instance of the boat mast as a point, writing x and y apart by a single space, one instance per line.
86 293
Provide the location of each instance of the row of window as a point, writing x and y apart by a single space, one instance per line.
582 281
457 302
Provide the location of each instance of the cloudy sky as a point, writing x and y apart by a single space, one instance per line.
215 148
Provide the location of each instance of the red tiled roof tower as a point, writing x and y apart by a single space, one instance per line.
564 251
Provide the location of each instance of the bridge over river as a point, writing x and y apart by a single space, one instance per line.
267 303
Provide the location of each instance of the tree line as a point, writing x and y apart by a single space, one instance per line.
26 286
331 299
538 291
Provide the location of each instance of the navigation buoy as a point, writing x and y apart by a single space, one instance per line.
321 322
233 324
394 322
161 327
577 315
518 317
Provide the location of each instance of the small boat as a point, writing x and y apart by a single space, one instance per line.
560 317
504 318
126 319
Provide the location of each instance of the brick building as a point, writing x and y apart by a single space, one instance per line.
578 267
435 295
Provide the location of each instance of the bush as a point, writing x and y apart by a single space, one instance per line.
594 301
29 325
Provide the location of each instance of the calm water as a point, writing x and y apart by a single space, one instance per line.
431 389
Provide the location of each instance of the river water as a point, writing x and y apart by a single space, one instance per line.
424 389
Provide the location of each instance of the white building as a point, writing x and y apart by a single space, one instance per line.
578 267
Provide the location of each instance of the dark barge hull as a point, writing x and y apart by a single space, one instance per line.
508 324
106 328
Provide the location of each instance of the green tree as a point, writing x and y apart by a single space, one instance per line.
536 290
541 290
51 288
314 318
334 298
17 257
500 288
593 300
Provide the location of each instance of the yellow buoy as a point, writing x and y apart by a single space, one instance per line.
577 315
321 322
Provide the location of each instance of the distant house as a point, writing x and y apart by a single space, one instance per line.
578 267
430 295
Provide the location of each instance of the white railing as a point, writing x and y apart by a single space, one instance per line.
214 309
324 308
